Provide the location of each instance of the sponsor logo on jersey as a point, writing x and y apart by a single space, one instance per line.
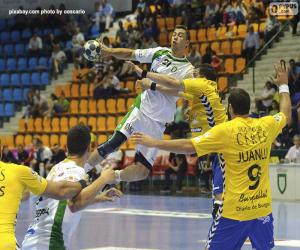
196 130
129 128
41 212
30 231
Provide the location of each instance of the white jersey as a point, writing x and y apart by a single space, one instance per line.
54 223
154 104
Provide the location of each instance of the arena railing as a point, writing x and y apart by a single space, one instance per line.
261 51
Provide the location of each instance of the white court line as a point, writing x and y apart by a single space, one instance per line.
278 243
284 243
156 213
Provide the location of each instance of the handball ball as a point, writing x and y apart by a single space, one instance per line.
91 50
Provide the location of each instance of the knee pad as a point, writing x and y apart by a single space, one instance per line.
112 144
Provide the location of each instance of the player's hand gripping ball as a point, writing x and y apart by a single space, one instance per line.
92 50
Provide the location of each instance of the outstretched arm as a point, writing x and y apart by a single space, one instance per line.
183 146
161 79
146 84
119 53
282 82
87 195
62 190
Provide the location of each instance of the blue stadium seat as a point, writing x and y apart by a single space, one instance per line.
57 32
47 32
45 78
15 36
7 95
2 64
43 62
8 50
95 31
25 79
25 93
15 79
9 109
2 24
35 78
1 110
19 49
11 22
32 63
69 45
49 61
4 37
4 79
38 31
26 34
26 48
11 64
17 95
22 63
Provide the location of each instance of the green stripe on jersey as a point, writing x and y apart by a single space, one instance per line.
137 104
177 59
56 237
160 53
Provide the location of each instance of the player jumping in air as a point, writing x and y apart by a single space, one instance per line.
152 109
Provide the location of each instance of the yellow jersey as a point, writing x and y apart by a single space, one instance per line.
207 109
245 145
14 179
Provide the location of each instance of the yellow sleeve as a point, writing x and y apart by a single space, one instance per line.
277 122
31 180
211 142
194 86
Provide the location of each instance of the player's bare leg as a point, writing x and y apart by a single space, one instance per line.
134 172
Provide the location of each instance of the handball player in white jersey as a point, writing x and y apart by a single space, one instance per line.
152 109
55 221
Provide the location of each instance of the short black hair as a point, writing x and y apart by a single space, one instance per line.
207 71
239 99
78 140
184 28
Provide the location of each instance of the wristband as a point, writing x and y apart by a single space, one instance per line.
83 183
87 167
284 89
144 73
153 86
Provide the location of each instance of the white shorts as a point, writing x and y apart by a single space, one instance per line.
136 121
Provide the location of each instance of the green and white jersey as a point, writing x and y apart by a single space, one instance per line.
54 223
156 105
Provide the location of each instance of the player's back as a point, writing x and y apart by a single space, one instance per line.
206 109
246 151
54 223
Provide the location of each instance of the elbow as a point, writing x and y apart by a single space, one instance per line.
289 120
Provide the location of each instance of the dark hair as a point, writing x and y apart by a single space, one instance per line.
240 101
292 61
207 71
187 33
78 140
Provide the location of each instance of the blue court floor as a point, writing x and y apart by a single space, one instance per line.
159 222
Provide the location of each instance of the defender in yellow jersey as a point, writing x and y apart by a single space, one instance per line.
245 144
205 112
